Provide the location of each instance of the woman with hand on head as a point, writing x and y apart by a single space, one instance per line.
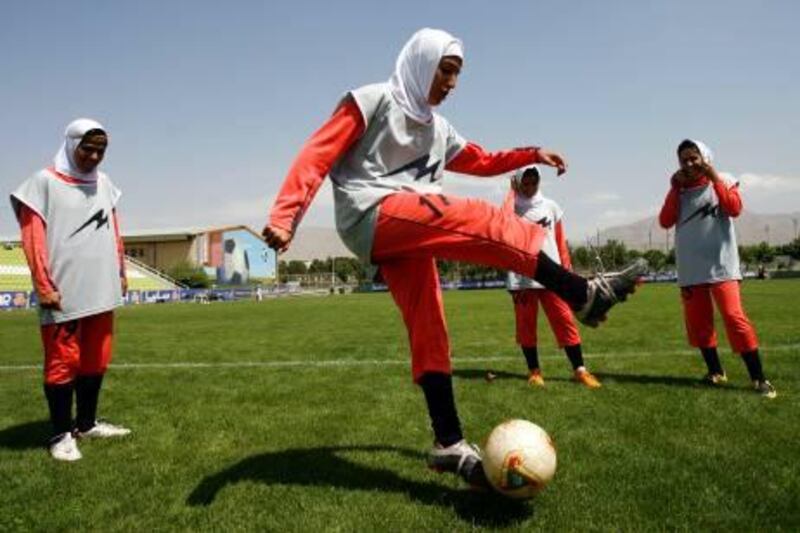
701 205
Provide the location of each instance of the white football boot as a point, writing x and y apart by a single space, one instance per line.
103 430
462 459
64 447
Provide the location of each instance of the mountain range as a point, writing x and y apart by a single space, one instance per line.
751 228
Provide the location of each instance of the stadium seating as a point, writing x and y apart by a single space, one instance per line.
15 276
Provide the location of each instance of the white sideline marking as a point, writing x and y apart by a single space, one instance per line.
376 362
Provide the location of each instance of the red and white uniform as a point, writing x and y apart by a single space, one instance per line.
526 293
70 235
708 258
386 169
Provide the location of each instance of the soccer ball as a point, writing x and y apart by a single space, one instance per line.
519 459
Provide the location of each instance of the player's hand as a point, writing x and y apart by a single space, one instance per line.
678 179
51 300
553 159
278 239
709 171
124 285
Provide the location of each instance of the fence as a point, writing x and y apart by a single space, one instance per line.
27 299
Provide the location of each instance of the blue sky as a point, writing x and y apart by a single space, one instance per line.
208 102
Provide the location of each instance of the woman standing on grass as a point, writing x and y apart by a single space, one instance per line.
526 200
386 152
701 205
70 235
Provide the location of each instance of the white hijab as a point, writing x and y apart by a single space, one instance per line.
64 161
516 181
705 151
416 67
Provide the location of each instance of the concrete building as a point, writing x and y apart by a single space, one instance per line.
228 254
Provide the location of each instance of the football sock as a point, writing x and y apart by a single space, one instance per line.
570 287
59 400
711 357
575 355
438 389
753 363
531 356
87 391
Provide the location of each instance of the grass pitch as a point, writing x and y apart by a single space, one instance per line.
299 415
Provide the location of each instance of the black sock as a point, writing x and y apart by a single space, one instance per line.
59 400
753 363
87 391
438 389
531 356
711 357
575 355
570 287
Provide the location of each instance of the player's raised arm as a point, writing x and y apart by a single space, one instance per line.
475 161
308 171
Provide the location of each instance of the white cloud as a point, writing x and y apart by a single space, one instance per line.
490 189
769 183
600 198
613 217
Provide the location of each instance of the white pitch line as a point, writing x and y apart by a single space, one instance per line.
375 362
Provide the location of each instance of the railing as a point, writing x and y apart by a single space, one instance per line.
157 273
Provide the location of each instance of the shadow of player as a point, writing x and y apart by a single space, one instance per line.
329 467
672 381
26 436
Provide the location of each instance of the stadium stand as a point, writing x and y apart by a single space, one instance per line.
15 276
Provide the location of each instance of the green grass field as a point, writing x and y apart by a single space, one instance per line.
299 415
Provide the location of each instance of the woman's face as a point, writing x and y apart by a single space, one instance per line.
445 79
90 152
528 186
691 162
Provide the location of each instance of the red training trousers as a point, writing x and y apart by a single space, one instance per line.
413 230
559 314
78 347
698 314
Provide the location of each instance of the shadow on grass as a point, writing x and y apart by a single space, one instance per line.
672 381
326 467
26 436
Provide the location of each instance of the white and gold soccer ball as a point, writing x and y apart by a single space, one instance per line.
519 459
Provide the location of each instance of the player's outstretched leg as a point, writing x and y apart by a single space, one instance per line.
458 229
606 291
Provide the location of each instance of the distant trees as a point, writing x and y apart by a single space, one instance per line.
613 255
190 275
319 271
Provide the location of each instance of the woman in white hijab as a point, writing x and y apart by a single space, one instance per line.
702 204
70 234
386 151
525 198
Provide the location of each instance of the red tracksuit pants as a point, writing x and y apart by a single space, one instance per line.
559 314
78 347
413 230
698 313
